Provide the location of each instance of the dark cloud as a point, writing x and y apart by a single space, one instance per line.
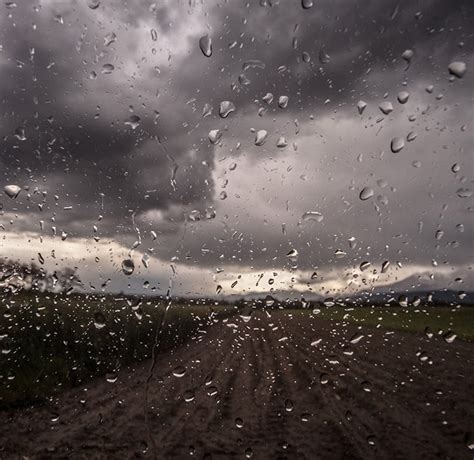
79 148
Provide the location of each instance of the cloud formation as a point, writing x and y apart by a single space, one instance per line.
103 129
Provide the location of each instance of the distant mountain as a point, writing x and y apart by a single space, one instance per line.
432 297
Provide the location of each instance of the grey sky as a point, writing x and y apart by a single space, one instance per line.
72 109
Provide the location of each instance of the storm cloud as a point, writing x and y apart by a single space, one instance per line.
103 129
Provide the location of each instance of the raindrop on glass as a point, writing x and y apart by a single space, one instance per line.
107 69
361 105
386 107
268 98
260 137
214 136
397 144
366 193
463 192
133 121
99 320
12 191
457 68
205 43
93 4
128 267
403 97
283 102
314 216
179 371
407 56
226 108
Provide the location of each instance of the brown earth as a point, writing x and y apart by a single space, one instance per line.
382 401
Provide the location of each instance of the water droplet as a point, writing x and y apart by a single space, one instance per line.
385 266
305 417
205 43
206 110
269 301
154 35
449 337
411 136
111 377
281 142
143 447
289 405
403 97
306 4
12 191
366 193
249 452
179 371
361 105
305 57
386 107
455 168
397 144
463 192
403 301
253 64
99 320
283 102
107 69
457 68
423 356
110 38
93 4
429 332
407 56
364 265
366 386
20 133
469 439
314 216
324 58
324 379
133 121
214 136
329 302
188 396
128 267
226 108
260 137
268 98
292 254
356 338
239 423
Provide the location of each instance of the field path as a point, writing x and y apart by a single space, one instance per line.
260 389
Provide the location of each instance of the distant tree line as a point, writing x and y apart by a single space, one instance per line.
17 276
